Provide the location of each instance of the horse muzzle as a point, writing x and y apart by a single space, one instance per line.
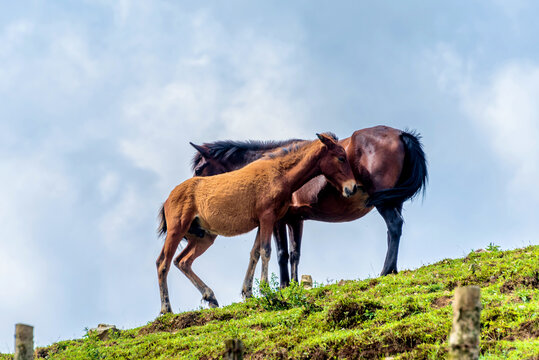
349 189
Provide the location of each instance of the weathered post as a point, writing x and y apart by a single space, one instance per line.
24 342
233 349
307 281
464 338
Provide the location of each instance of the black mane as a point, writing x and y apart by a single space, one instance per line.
235 152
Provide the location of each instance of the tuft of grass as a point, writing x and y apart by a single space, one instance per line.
403 316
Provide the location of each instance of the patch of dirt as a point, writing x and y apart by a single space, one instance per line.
526 331
45 352
257 327
280 354
441 302
318 354
178 322
528 281
185 320
42 353
376 349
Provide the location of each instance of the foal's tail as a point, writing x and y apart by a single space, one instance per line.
162 229
414 175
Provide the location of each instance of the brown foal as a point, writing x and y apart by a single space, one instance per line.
233 203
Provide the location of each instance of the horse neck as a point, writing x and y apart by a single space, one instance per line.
302 165
247 157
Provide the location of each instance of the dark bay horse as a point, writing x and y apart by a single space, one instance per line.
236 202
389 163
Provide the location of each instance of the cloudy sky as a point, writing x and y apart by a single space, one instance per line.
99 99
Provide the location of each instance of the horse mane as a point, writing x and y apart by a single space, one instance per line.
295 146
236 151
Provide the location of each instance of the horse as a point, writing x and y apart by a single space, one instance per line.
236 202
389 163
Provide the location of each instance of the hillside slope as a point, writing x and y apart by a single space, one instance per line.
405 316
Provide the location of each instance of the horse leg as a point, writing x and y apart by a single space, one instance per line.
281 245
247 288
394 221
295 228
266 228
196 246
176 231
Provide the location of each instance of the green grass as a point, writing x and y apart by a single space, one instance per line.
406 316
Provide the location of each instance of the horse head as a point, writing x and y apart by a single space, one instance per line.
335 167
206 165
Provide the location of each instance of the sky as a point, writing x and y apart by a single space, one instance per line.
99 100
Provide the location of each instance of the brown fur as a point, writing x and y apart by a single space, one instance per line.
234 203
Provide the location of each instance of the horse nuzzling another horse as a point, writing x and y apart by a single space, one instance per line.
233 203
389 163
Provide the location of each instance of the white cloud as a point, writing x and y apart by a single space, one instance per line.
12 37
198 102
504 110
109 185
30 186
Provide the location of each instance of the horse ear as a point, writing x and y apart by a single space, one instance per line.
327 140
202 150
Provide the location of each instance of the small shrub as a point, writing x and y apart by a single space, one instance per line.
349 312
493 248
270 297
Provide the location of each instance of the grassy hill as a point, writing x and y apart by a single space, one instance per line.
404 316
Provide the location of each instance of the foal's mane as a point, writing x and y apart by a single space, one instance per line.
294 147
236 151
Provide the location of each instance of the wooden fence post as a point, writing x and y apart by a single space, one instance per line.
307 281
24 342
234 349
464 338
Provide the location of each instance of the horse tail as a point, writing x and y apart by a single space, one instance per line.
162 229
414 175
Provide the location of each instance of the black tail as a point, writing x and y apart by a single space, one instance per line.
414 174
162 229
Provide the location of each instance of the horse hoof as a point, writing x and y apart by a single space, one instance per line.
210 298
165 311
246 294
389 272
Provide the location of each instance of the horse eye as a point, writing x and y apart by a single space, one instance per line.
341 158
198 171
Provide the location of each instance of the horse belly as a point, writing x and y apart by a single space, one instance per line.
335 208
226 214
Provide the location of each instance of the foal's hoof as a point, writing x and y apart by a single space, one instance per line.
165 310
210 298
245 294
212 302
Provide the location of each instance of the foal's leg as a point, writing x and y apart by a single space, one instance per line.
281 245
247 288
262 246
295 228
176 231
266 228
196 246
394 221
